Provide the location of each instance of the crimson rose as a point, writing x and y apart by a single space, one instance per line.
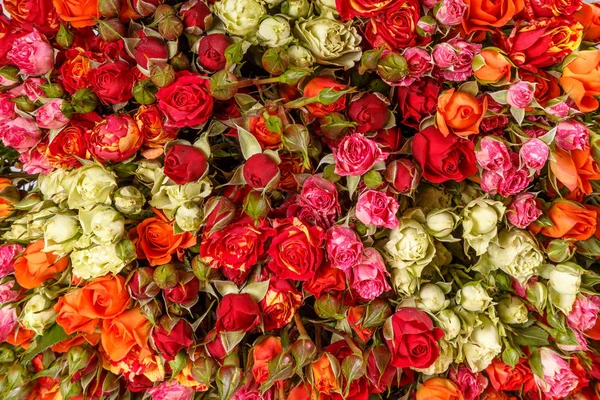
237 312
187 101
396 27
170 341
112 82
369 112
185 164
211 51
417 101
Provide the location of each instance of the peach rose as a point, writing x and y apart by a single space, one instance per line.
491 67
127 332
575 169
35 265
324 374
589 16
581 79
459 113
80 13
439 389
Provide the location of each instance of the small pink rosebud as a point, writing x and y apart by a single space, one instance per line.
523 210
492 155
451 12
571 135
534 154
520 95
50 115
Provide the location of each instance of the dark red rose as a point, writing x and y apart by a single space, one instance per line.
139 383
417 101
369 112
412 338
443 158
396 27
112 82
259 170
149 50
358 388
403 175
389 140
184 293
195 15
141 285
185 164
296 250
237 312
187 101
170 341
280 303
211 51
214 345
325 280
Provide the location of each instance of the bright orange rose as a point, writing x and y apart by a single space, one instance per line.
267 139
20 336
459 113
35 266
575 170
354 317
570 221
589 16
301 392
156 241
104 297
263 353
79 13
130 330
597 211
484 15
150 122
69 317
314 87
581 79
324 374
439 389
8 196
491 67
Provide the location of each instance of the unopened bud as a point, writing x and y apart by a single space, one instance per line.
141 284
403 175
129 200
228 380
369 60
52 90
164 11
426 26
188 217
69 389
144 92
512 310
24 103
304 351
275 60
223 85
84 101
17 375
537 294
560 250
180 62
296 138
334 126
77 359
295 9
165 276
373 179
111 30
64 37
392 67
256 205
162 74
109 8
219 211
9 76
170 27
329 306
7 354
204 370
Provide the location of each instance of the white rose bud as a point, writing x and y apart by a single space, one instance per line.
326 7
37 314
512 310
147 170
296 8
188 217
274 31
450 323
104 222
240 17
409 245
129 200
300 56
473 297
440 224
480 220
432 298
90 185
483 345
563 284
404 281
51 185
60 233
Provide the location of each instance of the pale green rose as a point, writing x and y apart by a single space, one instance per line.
300 56
274 31
330 41
296 8
168 196
512 310
273 3
441 223
103 222
147 170
326 8
480 223
443 362
483 346
89 185
563 284
129 200
188 218
432 298
61 231
240 17
37 314
51 185
30 226
404 281
450 323
515 252
409 244
96 261
473 297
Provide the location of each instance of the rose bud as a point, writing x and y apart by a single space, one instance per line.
334 126
111 30
171 336
144 91
196 16
512 310
256 205
84 101
275 61
129 200
150 50
65 38
188 217
237 312
571 135
274 31
145 7
185 293
204 370
211 51
114 139
141 284
280 303
109 8
426 26
403 175
314 87
162 74
473 297
560 250
263 352
223 85
219 211
261 171
214 345
392 67
70 389
164 11
491 67
184 163
329 306
519 95
369 112
78 358
432 298
202 270
165 276
23 103
228 380
50 115
53 90
295 9
170 27
180 62
534 154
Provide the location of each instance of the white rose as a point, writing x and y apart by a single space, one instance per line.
483 345
404 281
30 226
563 284
480 220
473 297
409 245
90 185
147 170
432 298
37 314
450 323
105 223
274 31
96 261
300 56
51 185
440 224
296 8
129 200
60 233
512 310
168 196
188 217
240 17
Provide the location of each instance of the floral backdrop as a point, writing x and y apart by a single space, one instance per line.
299 199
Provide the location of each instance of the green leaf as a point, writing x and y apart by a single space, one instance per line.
257 290
518 114
532 336
178 363
248 143
50 337
535 362
352 183
274 124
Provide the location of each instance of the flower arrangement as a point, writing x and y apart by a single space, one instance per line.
299 199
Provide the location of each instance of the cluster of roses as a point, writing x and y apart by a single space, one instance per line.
299 199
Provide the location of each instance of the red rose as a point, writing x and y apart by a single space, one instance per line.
403 175
443 158
389 140
506 378
112 82
412 338
211 51
150 50
396 27
76 69
185 164
280 303
550 8
417 101
187 101
68 146
325 280
381 373
170 340
151 123
296 250
260 170
30 14
263 353
184 293
114 139
214 345
369 112
349 9
195 15
237 312
314 87
546 85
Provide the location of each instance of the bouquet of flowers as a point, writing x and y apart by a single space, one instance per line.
299 199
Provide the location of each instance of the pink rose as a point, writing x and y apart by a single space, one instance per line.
369 276
8 253
560 110
7 108
534 154
571 135
32 54
419 64
519 95
321 195
344 247
558 380
171 391
451 12
35 162
580 346
471 384
584 313
377 208
50 115
515 181
7 294
492 155
454 59
30 88
8 321
523 210
21 134
250 391
356 155
444 55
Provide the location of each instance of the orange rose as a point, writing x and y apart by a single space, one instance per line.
354 317
597 211
35 265
581 79
491 67
575 170
267 138
104 297
439 389
20 336
156 241
263 353
64 345
69 317
124 333
79 13
324 374
483 15
150 122
8 196
459 113
589 16
570 221
314 87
